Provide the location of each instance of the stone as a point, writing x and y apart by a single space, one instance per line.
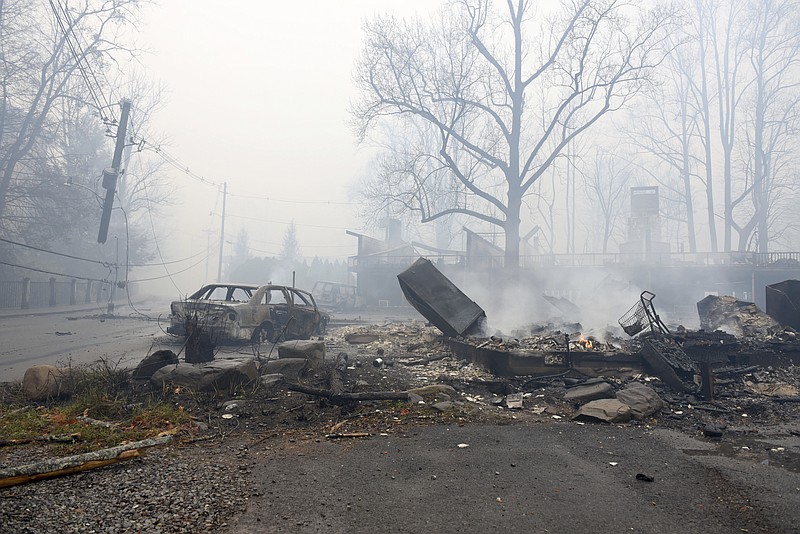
272 383
311 350
153 362
214 376
443 406
292 368
413 398
604 410
42 382
642 399
434 389
585 393
713 431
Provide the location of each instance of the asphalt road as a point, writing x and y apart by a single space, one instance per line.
545 477
73 338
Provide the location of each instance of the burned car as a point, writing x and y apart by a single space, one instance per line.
236 312
335 295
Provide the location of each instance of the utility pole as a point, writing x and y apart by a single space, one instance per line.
222 230
111 174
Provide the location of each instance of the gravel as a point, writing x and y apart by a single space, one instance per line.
181 488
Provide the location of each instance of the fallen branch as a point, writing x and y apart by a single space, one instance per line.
14 476
425 361
95 422
349 435
58 438
345 398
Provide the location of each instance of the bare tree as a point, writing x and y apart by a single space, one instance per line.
607 181
774 55
666 129
44 46
472 73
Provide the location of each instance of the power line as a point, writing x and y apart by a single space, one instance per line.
177 164
286 201
285 222
169 262
67 30
103 263
51 272
170 275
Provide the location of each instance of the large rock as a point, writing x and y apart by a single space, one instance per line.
604 410
313 351
214 376
590 392
272 383
643 400
293 368
42 382
153 362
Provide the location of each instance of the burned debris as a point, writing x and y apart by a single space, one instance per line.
736 339
439 300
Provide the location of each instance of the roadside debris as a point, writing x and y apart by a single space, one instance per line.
14 476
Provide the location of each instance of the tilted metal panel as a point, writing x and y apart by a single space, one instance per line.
438 300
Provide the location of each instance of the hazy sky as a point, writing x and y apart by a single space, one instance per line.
258 97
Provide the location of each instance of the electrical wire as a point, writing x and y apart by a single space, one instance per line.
158 248
169 262
177 164
285 222
67 30
286 201
54 273
169 275
103 263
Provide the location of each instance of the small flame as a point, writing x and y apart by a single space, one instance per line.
585 344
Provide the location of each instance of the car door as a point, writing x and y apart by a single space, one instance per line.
304 315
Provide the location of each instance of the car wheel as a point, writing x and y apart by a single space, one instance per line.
264 333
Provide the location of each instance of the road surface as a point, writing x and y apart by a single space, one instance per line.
550 477
79 337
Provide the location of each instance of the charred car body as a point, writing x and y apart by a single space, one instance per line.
237 312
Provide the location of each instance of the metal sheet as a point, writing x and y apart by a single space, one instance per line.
783 303
438 300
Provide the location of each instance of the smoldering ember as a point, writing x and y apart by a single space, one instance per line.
642 406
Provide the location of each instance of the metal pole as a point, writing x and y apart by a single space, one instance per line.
222 231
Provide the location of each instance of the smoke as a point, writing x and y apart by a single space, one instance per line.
594 299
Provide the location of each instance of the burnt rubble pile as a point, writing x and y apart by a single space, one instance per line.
732 315
740 352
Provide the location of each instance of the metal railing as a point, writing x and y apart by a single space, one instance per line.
753 259
29 293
